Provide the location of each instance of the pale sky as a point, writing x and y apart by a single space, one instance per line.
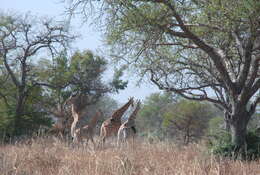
90 39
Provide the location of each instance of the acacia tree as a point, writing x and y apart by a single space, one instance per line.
193 48
21 39
188 120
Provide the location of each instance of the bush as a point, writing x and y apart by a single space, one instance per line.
28 125
221 145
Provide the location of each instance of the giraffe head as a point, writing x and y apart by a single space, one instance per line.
78 101
131 101
72 99
112 120
137 108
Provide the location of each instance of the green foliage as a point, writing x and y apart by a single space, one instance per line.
82 72
188 119
64 75
107 105
53 81
223 146
22 76
254 122
117 83
28 123
215 126
150 117
205 40
165 116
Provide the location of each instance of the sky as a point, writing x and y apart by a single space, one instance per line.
89 39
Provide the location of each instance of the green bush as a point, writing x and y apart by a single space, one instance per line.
28 124
221 145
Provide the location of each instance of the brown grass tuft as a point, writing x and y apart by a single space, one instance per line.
54 157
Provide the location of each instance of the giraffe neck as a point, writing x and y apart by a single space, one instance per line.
75 114
119 113
130 123
73 127
132 116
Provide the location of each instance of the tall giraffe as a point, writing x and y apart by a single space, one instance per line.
77 105
112 124
87 131
128 128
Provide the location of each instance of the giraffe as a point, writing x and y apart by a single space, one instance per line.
57 129
128 128
61 126
87 131
112 124
77 105
73 125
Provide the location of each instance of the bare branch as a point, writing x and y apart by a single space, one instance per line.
184 91
177 44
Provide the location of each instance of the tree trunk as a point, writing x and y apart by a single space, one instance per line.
238 126
18 113
17 121
227 126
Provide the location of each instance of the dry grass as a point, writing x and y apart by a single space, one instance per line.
53 157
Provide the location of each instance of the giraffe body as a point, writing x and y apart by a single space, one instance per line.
128 129
110 126
87 132
62 126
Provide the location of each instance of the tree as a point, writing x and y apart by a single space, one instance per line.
216 126
193 48
81 73
150 117
189 120
21 39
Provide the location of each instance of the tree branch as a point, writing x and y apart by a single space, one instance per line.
9 70
254 105
183 92
247 55
216 55
177 44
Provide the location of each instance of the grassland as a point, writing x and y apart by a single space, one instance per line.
51 156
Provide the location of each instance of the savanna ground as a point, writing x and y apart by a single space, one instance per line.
51 156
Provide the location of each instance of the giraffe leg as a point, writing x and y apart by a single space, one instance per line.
92 140
121 137
118 138
60 135
103 141
133 141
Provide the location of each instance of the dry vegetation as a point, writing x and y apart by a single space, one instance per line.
54 157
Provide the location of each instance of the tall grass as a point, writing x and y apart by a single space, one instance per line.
54 157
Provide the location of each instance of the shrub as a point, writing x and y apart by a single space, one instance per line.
221 145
